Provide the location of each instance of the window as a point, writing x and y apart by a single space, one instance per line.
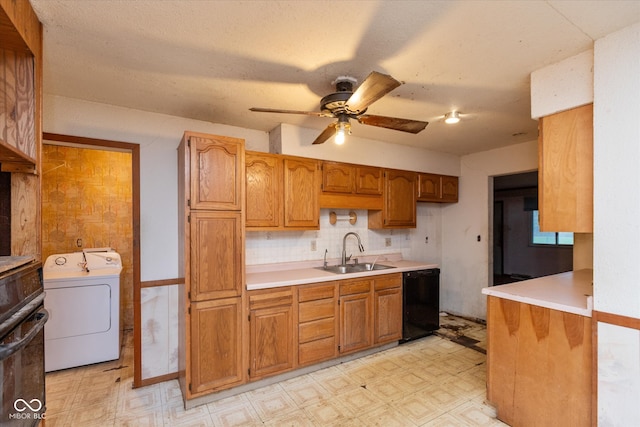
548 237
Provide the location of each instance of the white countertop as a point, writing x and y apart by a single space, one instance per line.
299 273
571 292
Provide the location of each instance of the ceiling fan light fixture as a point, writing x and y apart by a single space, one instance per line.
343 128
452 117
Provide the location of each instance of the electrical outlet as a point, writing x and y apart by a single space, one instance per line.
387 241
314 246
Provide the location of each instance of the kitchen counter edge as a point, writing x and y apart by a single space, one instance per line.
310 274
571 292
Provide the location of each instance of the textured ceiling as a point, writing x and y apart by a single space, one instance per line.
213 60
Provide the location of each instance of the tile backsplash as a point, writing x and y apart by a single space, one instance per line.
265 247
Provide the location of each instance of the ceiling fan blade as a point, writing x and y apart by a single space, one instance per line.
326 134
307 113
374 87
404 125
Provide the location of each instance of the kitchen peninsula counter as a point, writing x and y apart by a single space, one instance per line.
264 276
539 351
570 292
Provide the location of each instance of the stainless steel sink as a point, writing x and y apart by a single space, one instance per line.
354 268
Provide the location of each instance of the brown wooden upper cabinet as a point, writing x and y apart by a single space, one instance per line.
216 172
351 179
437 188
399 207
565 171
282 192
21 96
264 176
346 185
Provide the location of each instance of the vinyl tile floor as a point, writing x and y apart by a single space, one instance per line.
432 381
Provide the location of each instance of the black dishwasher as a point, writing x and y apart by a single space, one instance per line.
420 303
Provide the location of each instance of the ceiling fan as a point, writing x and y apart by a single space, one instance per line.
345 104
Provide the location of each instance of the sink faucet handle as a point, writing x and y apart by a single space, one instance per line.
325 258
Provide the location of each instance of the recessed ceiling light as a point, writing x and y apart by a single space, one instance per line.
452 117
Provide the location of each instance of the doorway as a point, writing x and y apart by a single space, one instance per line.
91 198
516 254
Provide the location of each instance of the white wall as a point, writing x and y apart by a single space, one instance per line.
467 263
616 248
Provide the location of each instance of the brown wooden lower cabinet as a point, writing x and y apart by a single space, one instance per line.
538 364
317 323
216 345
356 315
271 332
388 309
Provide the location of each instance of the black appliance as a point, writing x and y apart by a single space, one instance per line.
420 303
22 319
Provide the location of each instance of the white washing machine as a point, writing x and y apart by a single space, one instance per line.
82 296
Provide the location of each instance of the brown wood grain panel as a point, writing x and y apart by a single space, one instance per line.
355 286
270 298
317 351
538 366
565 170
271 348
317 329
315 292
388 281
263 190
540 319
313 310
388 315
20 29
301 191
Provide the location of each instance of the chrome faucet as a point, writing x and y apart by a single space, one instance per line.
344 245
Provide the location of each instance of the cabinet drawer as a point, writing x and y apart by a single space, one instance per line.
315 292
270 298
316 351
355 287
315 330
388 281
314 310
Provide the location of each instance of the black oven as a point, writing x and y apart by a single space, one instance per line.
22 319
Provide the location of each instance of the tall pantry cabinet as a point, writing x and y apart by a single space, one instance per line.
212 346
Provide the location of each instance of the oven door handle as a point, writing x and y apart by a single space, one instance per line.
7 350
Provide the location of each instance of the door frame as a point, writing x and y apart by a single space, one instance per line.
134 149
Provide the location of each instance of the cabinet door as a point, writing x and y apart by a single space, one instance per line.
400 198
301 191
216 345
263 190
368 180
216 255
449 188
355 322
217 172
388 315
337 177
271 343
429 189
565 171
